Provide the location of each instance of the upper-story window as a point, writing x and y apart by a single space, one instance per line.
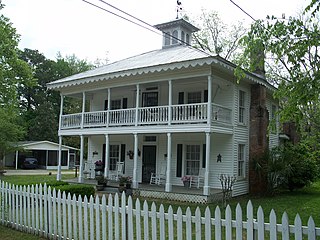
194 97
175 37
182 36
115 104
188 39
242 107
167 39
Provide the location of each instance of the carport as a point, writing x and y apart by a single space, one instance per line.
46 153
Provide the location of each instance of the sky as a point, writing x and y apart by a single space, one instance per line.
76 27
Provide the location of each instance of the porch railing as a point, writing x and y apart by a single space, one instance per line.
186 113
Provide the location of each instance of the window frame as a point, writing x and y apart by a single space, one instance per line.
192 157
241 161
242 107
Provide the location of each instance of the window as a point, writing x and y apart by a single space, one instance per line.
241 160
192 159
114 157
242 108
115 104
175 37
167 39
182 36
149 99
194 97
188 39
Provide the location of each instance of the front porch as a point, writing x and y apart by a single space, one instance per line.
178 193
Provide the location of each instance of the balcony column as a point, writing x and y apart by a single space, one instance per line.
80 179
168 172
59 159
209 107
206 187
61 110
137 104
106 160
135 183
170 103
83 108
108 107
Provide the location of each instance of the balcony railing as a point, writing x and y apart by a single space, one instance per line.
186 113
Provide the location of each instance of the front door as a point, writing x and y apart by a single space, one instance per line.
148 162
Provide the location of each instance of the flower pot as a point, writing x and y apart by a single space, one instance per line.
186 184
99 187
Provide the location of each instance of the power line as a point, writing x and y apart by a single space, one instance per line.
150 27
243 10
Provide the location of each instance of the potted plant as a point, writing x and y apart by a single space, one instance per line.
186 180
130 153
98 165
124 183
101 183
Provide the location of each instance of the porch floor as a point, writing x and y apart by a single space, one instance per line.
145 190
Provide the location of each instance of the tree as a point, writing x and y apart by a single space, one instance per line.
292 50
218 37
13 73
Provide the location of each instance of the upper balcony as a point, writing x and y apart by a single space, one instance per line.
142 116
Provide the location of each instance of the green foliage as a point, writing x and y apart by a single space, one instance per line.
81 189
291 49
292 167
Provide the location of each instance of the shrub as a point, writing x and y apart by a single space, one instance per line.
81 189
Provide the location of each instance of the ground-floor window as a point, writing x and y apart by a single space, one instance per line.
241 160
192 159
114 153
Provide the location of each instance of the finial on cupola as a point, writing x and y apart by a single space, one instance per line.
179 8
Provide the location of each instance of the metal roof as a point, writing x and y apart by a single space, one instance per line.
170 58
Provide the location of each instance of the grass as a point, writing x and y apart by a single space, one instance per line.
32 179
10 234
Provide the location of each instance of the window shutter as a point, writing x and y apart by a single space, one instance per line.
105 104
204 155
179 160
123 153
205 96
124 103
181 98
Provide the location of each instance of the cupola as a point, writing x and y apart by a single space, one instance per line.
177 32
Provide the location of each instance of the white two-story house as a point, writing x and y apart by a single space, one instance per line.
176 106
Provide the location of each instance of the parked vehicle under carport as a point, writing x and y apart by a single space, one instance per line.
30 163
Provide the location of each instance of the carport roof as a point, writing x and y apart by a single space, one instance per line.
37 145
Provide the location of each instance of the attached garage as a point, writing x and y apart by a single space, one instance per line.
45 152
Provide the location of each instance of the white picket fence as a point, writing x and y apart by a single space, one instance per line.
45 212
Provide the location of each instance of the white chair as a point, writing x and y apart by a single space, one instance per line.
199 179
160 176
115 175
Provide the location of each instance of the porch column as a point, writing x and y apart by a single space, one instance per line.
209 107
47 155
106 160
61 110
17 158
109 104
206 187
170 102
83 108
135 183
137 104
59 159
80 179
168 172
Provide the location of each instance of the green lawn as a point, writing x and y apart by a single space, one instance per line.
33 179
10 234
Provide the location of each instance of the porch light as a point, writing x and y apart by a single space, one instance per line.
219 157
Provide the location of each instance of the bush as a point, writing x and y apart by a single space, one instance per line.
292 167
75 189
